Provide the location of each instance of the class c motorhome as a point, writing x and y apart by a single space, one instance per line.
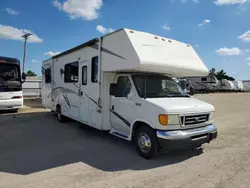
123 83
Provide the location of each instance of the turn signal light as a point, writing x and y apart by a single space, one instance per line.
163 119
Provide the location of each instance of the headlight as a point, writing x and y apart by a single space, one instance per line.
169 119
211 116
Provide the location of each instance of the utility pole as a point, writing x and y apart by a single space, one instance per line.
25 36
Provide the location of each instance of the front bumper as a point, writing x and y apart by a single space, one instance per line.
186 138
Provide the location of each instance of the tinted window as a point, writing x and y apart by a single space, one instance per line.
94 69
123 86
84 75
204 79
48 76
71 72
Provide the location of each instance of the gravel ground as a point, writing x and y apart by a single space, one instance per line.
36 151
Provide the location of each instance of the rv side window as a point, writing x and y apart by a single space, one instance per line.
84 75
48 76
94 69
204 79
71 72
123 86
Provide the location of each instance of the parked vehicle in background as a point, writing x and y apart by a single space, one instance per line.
238 85
203 83
129 90
11 96
225 85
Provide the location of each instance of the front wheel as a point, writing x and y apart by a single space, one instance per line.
61 118
146 142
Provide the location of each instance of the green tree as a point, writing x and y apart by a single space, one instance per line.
221 74
30 73
212 72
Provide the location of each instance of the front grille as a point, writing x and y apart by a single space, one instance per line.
194 119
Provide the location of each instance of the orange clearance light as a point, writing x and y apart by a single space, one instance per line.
131 31
2 61
163 119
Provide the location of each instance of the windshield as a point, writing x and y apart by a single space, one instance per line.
10 77
9 72
157 86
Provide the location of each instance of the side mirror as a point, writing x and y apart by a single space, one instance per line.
113 89
191 92
23 76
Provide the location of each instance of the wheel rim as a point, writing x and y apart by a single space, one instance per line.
144 142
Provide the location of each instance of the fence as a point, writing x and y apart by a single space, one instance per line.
32 87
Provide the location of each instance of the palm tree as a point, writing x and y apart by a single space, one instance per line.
221 74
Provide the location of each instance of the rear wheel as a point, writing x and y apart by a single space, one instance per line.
146 142
60 117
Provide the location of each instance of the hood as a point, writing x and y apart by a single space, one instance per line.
182 105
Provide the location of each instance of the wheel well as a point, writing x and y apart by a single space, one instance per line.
137 125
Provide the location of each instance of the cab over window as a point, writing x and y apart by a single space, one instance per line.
123 86
71 72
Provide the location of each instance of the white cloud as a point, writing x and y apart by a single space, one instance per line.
197 45
36 61
229 51
229 2
11 11
248 64
248 59
85 9
104 30
245 37
224 61
247 50
12 33
206 21
195 1
51 54
165 27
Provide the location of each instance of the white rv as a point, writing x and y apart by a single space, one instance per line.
238 85
226 85
122 83
203 83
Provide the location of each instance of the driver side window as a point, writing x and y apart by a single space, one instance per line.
123 86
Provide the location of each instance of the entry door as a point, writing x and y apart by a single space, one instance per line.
84 101
122 106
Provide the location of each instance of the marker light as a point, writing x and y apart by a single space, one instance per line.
163 119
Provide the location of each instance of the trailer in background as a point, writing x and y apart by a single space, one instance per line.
225 85
202 84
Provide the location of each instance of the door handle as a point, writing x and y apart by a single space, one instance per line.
112 107
81 93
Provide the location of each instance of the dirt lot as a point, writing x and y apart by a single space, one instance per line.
36 151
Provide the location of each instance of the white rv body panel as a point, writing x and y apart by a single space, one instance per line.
145 52
81 78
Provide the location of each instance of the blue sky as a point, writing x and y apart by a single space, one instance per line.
218 29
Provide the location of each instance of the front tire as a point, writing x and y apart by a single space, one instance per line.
61 118
146 142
